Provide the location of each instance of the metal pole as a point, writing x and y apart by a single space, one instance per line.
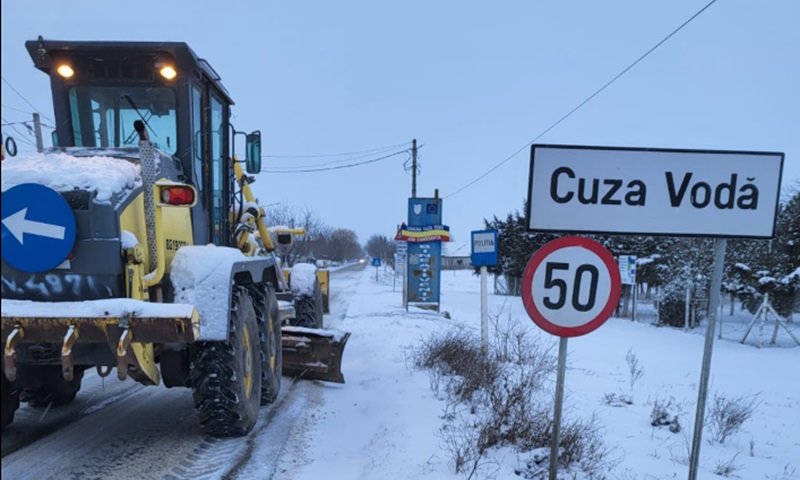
562 367
37 129
686 306
414 168
716 282
405 280
484 312
633 315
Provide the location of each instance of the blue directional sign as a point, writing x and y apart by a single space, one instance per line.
376 262
484 248
38 229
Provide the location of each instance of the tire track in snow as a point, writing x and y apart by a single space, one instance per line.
223 458
33 424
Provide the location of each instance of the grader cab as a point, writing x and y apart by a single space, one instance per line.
136 243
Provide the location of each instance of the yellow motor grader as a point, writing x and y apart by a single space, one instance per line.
136 243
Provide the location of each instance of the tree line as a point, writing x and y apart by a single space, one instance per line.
667 265
320 241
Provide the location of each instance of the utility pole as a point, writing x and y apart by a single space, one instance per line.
37 128
414 168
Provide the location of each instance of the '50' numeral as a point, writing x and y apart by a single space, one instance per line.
561 285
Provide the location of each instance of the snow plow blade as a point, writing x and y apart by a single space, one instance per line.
313 354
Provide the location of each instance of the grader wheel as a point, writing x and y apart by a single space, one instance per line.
10 401
226 376
269 329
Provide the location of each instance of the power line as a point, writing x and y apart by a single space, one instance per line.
21 135
338 167
16 109
326 164
26 100
584 102
342 154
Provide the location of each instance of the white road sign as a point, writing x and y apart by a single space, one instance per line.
483 242
653 191
627 269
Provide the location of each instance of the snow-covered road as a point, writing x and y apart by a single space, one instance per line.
385 422
124 430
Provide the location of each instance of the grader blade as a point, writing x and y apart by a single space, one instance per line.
314 354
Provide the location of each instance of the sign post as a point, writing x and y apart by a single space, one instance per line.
627 272
424 234
376 262
716 282
401 247
635 191
570 287
484 253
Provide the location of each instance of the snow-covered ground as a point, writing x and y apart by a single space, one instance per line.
383 423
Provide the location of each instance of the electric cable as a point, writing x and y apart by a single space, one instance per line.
324 164
26 100
341 154
584 102
21 135
338 167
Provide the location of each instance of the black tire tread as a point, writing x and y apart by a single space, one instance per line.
54 389
266 306
215 383
10 401
309 309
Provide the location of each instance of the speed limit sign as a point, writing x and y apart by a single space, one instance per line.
571 286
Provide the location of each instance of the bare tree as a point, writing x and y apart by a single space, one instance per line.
379 246
302 247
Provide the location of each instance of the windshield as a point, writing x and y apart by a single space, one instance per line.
104 116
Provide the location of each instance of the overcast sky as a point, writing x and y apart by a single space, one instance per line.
472 82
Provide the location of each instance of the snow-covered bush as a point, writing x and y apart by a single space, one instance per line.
726 469
727 415
665 414
494 399
458 356
635 370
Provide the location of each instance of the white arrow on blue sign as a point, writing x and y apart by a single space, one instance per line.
38 228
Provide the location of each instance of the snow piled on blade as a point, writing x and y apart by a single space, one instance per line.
201 276
62 172
113 307
303 277
128 240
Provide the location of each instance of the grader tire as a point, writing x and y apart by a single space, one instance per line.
10 401
309 309
226 376
269 336
52 389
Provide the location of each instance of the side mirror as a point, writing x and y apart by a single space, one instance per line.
253 152
284 238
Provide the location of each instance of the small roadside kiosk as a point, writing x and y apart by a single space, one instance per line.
571 285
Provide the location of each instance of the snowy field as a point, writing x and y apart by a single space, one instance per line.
384 422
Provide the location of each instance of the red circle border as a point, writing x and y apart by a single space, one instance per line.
539 256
